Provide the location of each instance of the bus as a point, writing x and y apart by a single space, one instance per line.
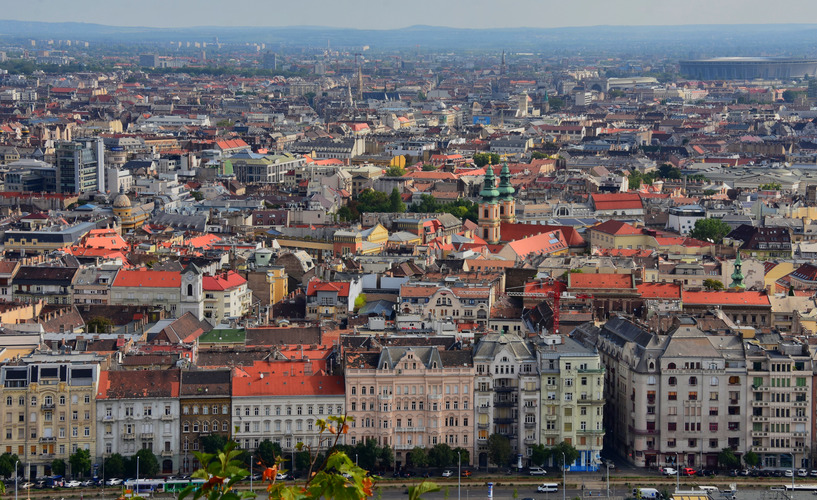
799 487
145 487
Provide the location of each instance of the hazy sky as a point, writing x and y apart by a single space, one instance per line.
384 14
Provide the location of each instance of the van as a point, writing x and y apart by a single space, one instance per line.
537 471
647 493
548 488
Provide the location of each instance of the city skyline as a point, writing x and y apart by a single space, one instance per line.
392 15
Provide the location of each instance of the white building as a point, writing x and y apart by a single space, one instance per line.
225 296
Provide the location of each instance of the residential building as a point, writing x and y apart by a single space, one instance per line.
139 410
178 292
80 166
49 413
331 300
206 409
51 284
254 168
411 396
571 408
226 296
506 380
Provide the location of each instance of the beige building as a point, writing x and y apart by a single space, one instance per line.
408 397
226 296
49 412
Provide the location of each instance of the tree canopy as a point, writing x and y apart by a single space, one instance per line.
80 462
7 461
499 449
482 159
728 459
462 209
114 466
710 230
564 454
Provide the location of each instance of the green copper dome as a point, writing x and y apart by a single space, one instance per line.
737 276
505 188
489 191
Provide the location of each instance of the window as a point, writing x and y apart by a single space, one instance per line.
672 381
671 426
672 396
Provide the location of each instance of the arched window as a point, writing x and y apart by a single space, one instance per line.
693 380
190 289
671 381
671 366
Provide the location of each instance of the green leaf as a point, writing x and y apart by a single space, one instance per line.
416 492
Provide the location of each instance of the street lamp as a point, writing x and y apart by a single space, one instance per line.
564 476
459 475
250 473
608 479
137 475
792 470
15 478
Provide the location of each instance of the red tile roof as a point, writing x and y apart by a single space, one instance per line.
316 286
616 228
147 278
284 378
659 290
544 243
600 280
726 297
616 201
511 232
222 281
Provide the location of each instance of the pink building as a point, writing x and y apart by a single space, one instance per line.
406 397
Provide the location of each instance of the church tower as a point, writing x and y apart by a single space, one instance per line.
737 275
489 208
191 292
507 204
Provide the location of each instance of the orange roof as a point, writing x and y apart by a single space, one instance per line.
204 241
616 201
514 231
316 285
417 291
222 281
726 297
616 228
432 175
147 278
284 378
659 290
600 280
543 243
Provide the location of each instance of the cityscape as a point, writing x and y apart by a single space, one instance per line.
506 249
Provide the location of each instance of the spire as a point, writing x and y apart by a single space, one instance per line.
489 191
505 188
737 275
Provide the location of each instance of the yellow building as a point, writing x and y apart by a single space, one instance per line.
130 216
49 412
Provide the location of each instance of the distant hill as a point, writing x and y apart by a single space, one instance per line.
683 41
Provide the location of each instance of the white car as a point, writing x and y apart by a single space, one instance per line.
73 484
113 482
789 473
669 471
802 472
447 473
26 485
537 471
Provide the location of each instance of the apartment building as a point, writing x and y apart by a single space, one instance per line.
506 383
571 403
281 401
178 292
206 409
411 396
226 296
49 413
139 410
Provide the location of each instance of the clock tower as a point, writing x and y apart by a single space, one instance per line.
191 292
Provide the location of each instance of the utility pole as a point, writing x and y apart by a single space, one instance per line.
564 476
250 473
459 476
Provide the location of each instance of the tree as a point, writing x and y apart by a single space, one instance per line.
80 462
465 455
728 459
386 457
99 324
395 171
499 449
360 301
441 455
482 159
196 195
770 186
713 284
539 454
58 467
396 202
302 460
790 95
7 461
429 168
346 213
226 123
114 466
418 457
538 155
148 463
213 443
751 459
564 454
710 230
668 171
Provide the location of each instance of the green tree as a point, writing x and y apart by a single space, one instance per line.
360 301
396 202
346 213
196 195
225 123
482 159
302 460
213 443
310 98
464 456
395 171
564 451
418 457
712 284
710 230
7 461
429 168
370 200
386 457
499 449
148 464
770 186
751 459
539 454
556 103
99 324
367 453
728 459
80 462
790 95
537 155
668 171
114 466
58 467
441 455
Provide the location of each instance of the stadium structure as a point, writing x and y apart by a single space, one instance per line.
748 68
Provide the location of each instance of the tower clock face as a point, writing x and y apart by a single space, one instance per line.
189 277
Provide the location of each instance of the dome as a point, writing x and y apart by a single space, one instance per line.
121 201
505 188
489 192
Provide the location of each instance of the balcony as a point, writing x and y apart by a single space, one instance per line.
591 370
437 396
759 418
47 407
107 418
129 437
166 453
799 404
504 420
385 397
168 418
800 419
800 389
147 436
409 429
504 404
505 388
594 431
404 446
530 441
530 425
48 439
758 404
482 426
590 401
759 434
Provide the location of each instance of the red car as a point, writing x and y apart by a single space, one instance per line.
466 473
688 471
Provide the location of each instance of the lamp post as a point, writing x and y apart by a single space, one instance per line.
137 475
677 474
608 480
792 470
355 459
16 462
564 476
459 475
250 473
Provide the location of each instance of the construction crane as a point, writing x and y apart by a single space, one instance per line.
552 297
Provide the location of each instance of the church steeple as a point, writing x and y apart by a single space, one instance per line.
737 275
507 204
489 208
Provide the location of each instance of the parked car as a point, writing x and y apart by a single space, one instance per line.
704 472
282 476
788 473
86 483
26 485
73 484
447 473
688 471
537 471
466 473
669 471
802 472
813 473
113 482
408 473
